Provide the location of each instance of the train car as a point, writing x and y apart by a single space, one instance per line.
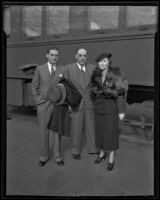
128 32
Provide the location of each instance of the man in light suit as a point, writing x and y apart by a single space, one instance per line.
44 76
79 74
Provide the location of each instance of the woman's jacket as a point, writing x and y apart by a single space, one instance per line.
113 89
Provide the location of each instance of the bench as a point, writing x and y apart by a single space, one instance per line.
140 115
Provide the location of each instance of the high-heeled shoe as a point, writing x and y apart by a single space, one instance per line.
99 159
110 166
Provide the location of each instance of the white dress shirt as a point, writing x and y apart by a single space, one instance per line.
50 66
81 67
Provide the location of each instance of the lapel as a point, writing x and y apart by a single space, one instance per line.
46 73
74 74
88 74
51 78
77 71
55 77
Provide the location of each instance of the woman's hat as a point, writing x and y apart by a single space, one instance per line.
57 93
103 55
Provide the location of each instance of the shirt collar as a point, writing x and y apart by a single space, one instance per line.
81 66
50 65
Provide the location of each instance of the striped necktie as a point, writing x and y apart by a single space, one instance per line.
52 69
83 68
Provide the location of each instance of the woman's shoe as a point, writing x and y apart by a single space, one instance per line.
99 159
110 166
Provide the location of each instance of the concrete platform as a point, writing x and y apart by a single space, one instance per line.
133 173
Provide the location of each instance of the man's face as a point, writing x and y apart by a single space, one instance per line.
53 56
81 56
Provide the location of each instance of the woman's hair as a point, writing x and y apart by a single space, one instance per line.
104 55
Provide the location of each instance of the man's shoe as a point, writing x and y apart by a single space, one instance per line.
76 156
42 163
60 163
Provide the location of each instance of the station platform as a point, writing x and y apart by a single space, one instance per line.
133 174
126 130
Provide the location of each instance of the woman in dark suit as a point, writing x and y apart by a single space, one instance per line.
105 93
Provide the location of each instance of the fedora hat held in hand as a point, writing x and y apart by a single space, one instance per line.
57 93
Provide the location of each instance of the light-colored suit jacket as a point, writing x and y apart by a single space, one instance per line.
72 73
42 80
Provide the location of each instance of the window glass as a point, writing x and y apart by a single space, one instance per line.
32 21
141 15
103 17
78 18
57 19
6 21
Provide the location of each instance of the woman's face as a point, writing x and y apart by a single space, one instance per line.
103 64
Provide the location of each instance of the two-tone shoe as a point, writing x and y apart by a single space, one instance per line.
76 156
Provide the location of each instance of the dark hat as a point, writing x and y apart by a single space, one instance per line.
103 55
73 96
57 93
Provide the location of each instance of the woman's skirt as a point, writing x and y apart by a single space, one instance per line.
106 131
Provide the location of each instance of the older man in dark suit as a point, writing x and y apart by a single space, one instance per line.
44 76
79 74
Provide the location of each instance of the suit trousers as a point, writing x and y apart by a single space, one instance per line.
44 112
78 119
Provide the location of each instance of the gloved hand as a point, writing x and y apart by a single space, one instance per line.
94 89
114 93
69 108
121 116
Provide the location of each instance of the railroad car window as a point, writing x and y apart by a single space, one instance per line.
103 17
57 19
32 21
6 20
78 19
141 15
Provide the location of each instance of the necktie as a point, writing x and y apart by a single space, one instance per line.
82 68
83 75
52 69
